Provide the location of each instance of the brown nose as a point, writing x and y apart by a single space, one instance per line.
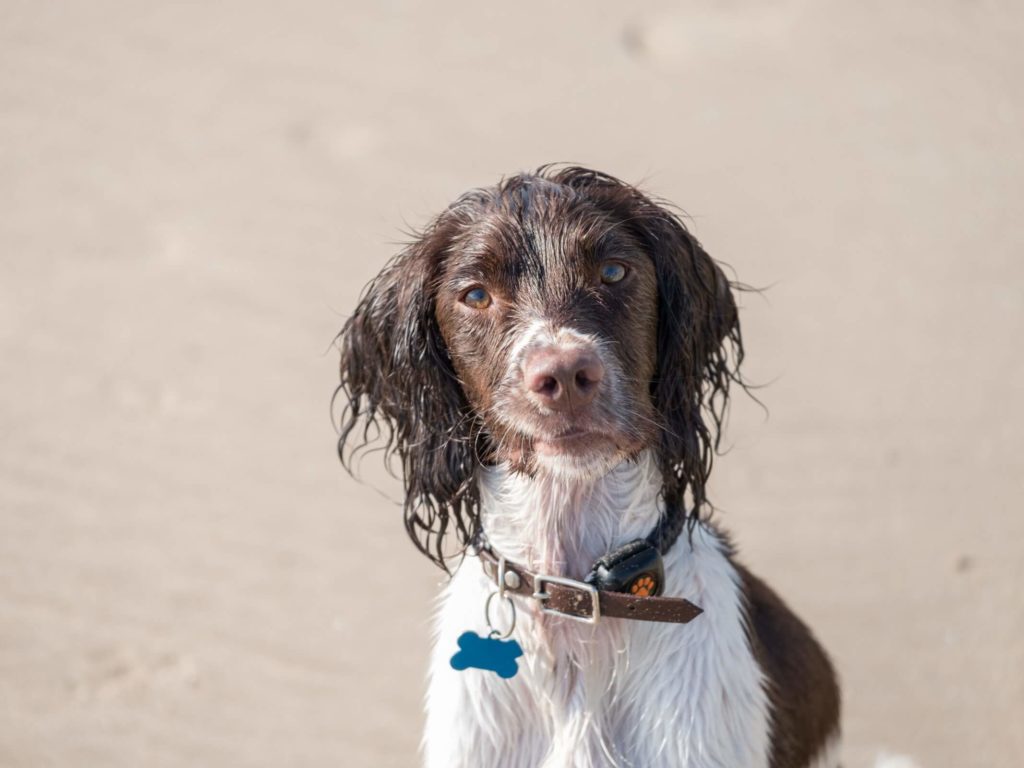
562 379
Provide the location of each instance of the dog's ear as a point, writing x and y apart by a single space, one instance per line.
699 343
699 352
399 389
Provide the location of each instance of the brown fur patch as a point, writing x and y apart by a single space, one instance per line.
803 694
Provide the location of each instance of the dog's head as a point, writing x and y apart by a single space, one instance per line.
559 322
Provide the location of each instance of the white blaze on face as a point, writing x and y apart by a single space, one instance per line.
541 333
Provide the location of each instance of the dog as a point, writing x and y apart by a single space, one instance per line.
550 361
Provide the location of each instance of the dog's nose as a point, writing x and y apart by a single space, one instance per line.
562 379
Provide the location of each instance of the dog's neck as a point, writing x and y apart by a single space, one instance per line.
560 524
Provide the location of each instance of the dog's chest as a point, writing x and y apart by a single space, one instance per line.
624 693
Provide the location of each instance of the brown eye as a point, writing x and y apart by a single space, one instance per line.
612 272
477 298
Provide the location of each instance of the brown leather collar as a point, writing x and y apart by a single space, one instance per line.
579 600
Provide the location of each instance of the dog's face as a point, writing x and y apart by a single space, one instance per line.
548 311
559 322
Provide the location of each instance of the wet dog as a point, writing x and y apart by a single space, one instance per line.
550 361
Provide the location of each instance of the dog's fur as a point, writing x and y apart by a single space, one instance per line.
448 360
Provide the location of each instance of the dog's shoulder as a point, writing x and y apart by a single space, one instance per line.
802 687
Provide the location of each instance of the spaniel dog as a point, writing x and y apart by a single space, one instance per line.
550 361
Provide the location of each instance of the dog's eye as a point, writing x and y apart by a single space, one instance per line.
477 298
612 272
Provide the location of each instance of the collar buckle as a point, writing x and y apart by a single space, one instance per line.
540 580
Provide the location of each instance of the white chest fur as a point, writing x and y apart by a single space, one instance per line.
621 693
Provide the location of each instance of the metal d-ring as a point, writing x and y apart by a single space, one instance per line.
487 614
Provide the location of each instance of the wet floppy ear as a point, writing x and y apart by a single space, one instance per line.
699 353
399 390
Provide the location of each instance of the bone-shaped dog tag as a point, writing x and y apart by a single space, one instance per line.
489 652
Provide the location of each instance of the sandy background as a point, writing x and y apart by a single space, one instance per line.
192 196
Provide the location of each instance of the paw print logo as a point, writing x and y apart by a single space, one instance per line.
645 586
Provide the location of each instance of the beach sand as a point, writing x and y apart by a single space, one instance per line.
192 197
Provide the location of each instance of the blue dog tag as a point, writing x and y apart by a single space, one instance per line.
477 652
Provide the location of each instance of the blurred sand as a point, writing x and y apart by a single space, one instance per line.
191 198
